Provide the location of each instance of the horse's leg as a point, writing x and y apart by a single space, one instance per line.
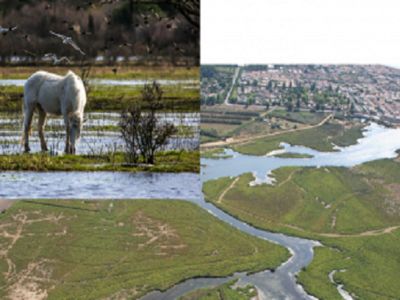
41 124
28 114
67 142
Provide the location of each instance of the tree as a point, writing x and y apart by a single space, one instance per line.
190 9
141 129
90 27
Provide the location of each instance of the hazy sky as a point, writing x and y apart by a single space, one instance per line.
300 31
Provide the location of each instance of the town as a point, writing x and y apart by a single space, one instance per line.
357 91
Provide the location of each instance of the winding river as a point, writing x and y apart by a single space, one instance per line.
378 142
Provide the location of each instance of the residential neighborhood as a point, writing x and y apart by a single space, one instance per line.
364 91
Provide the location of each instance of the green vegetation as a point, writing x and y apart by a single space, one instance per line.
354 212
224 291
298 202
111 98
217 153
108 72
168 161
304 117
215 83
371 264
319 138
119 249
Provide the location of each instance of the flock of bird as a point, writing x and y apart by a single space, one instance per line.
67 40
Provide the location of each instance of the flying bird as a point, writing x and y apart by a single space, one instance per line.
68 40
55 59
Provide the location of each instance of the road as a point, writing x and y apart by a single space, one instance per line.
228 95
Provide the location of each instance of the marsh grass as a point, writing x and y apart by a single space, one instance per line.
313 202
322 138
104 249
166 161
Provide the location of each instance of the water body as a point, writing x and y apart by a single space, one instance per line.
345 295
99 185
378 142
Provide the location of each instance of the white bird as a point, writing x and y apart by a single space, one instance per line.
55 59
5 30
68 40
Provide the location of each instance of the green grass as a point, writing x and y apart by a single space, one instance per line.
372 267
316 202
311 199
103 72
224 291
319 138
113 98
97 249
168 161
303 117
217 153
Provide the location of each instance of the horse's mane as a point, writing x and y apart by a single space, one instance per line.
76 91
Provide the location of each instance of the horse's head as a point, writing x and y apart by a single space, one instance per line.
75 123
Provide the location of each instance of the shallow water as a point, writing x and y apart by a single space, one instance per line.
94 139
99 185
378 142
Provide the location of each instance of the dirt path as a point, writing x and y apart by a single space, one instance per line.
365 233
227 189
287 179
5 204
244 140
376 232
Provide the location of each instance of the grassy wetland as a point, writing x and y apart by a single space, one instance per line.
354 213
101 147
57 249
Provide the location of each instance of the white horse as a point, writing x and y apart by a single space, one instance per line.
56 95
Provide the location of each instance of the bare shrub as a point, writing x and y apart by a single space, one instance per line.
141 130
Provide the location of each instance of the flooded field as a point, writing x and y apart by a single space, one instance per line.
100 133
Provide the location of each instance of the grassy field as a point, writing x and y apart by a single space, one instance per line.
319 138
216 153
218 123
371 265
107 72
354 212
168 161
225 291
304 117
113 98
59 249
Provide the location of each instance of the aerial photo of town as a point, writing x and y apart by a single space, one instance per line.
307 157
